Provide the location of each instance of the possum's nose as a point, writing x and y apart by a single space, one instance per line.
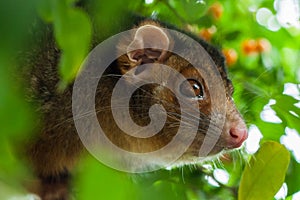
237 137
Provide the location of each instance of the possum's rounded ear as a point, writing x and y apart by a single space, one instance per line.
150 43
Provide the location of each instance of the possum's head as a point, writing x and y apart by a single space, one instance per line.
187 88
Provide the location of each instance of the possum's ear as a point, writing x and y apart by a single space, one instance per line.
150 43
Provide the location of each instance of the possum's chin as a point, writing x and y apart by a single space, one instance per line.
184 160
192 160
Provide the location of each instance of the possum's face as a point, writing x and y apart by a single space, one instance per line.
193 90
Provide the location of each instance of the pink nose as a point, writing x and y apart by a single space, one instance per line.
237 137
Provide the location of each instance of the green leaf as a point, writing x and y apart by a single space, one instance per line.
284 106
96 177
265 173
72 29
162 190
292 179
190 10
270 131
289 198
44 10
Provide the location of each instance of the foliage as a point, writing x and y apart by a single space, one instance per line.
258 177
72 30
261 59
15 114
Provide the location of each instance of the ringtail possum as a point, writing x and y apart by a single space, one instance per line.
55 149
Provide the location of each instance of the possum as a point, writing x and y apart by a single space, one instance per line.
55 149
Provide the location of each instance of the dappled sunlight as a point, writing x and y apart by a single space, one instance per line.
282 193
268 114
252 143
287 15
291 140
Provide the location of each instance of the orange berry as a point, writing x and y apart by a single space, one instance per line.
263 45
231 56
249 46
207 33
216 10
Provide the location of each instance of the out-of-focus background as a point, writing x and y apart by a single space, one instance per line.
260 40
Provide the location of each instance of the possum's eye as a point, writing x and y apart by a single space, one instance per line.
192 88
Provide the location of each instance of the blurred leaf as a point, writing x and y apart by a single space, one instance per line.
72 29
7 192
292 178
265 173
104 181
189 10
232 35
290 59
45 10
162 190
16 116
110 17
